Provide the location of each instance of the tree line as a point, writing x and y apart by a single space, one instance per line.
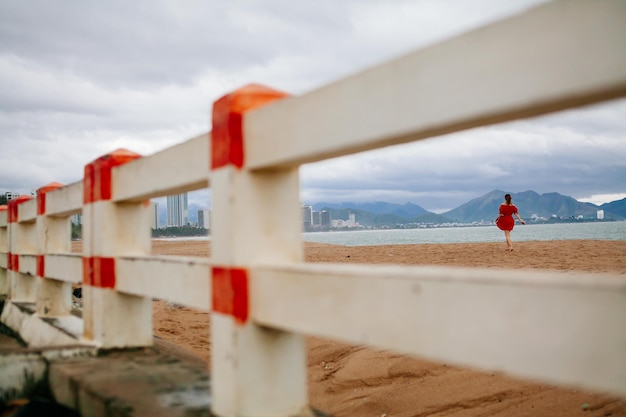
173 231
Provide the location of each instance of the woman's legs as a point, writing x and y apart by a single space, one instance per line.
509 243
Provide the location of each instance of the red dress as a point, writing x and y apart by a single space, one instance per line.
506 221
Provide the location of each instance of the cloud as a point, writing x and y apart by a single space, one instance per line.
545 155
81 79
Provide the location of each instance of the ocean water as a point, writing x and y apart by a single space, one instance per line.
473 234
559 231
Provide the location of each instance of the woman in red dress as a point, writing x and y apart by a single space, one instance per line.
505 220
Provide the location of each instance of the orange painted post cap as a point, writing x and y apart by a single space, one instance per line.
13 204
41 195
97 182
227 145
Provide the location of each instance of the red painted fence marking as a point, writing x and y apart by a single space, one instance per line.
230 292
40 266
13 262
99 272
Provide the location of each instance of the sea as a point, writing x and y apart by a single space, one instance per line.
473 234
465 234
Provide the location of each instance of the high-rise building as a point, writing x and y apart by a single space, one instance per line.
317 218
177 210
204 218
307 216
154 214
325 218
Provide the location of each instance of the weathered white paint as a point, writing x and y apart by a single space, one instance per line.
555 327
4 237
116 320
27 211
174 170
22 287
258 371
54 234
560 55
4 279
22 238
65 267
65 201
4 248
28 264
23 242
110 230
182 280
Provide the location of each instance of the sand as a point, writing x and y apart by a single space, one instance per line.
353 381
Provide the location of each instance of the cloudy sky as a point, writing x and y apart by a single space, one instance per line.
79 79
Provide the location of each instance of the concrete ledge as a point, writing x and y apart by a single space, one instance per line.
24 370
141 382
41 332
164 380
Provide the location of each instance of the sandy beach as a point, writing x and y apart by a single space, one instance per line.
351 381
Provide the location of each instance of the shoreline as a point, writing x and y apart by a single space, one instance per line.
613 231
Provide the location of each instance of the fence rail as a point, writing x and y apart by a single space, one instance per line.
264 299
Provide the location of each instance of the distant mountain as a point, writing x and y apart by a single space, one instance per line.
432 218
364 217
405 211
368 219
483 208
529 203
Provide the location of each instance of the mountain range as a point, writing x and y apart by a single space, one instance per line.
552 206
483 208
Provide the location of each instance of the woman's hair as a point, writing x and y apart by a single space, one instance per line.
507 197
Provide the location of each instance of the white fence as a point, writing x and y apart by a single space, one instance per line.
553 327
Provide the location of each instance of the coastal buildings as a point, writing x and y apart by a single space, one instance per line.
350 223
10 195
154 213
204 218
177 210
321 220
307 217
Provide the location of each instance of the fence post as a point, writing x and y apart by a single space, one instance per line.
256 371
54 298
4 249
111 230
22 287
